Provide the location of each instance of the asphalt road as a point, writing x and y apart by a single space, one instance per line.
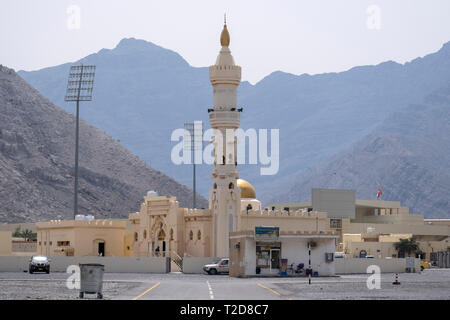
430 284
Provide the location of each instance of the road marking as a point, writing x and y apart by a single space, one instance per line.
267 288
211 295
271 290
145 292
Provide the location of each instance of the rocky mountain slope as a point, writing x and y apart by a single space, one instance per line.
37 142
408 157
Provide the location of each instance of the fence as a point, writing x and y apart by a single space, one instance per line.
112 264
359 265
195 264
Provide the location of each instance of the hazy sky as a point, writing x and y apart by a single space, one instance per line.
292 36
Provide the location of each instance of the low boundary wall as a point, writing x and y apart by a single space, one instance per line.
112 264
359 265
195 264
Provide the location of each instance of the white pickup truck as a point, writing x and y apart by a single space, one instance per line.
222 266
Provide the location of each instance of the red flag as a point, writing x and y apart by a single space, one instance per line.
379 193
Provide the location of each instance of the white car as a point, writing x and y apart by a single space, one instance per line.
222 266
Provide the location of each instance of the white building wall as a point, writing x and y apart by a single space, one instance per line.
250 257
296 251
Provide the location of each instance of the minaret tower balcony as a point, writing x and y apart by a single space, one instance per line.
223 119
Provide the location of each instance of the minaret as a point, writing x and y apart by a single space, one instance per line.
225 195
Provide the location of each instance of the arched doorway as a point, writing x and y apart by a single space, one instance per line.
162 242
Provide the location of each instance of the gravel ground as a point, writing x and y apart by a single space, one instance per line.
430 284
55 290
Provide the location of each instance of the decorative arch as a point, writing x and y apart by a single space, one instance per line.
199 235
161 235
191 235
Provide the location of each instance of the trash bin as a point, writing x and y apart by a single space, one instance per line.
91 279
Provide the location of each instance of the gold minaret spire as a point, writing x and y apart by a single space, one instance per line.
225 36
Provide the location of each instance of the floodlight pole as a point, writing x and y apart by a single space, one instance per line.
79 81
77 130
194 204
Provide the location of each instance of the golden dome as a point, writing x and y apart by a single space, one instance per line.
247 190
225 37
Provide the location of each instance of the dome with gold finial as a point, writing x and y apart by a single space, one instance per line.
247 190
225 37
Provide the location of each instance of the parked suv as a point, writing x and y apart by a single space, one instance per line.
222 266
39 264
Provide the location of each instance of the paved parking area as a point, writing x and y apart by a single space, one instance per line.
430 284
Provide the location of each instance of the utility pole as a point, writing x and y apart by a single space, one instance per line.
79 88
309 267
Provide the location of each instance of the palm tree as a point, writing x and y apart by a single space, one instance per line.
406 246
28 235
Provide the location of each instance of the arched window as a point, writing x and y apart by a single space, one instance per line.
171 234
231 185
145 234
136 236
199 235
191 235
215 185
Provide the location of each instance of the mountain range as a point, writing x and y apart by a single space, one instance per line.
143 92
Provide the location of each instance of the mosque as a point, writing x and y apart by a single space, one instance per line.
333 217
235 225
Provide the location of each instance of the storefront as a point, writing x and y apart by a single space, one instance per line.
268 257
266 251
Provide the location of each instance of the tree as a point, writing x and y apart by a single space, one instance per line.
28 235
17 233
406 246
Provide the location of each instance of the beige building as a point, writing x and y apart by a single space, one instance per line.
371 227
5 243
84 238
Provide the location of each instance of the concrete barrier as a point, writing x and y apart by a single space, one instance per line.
195 264
112 264
359 265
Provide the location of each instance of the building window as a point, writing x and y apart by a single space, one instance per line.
171 234
39 243
145 234
191 235
335 223
231 185
50 243
136 236
199 235
62 243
